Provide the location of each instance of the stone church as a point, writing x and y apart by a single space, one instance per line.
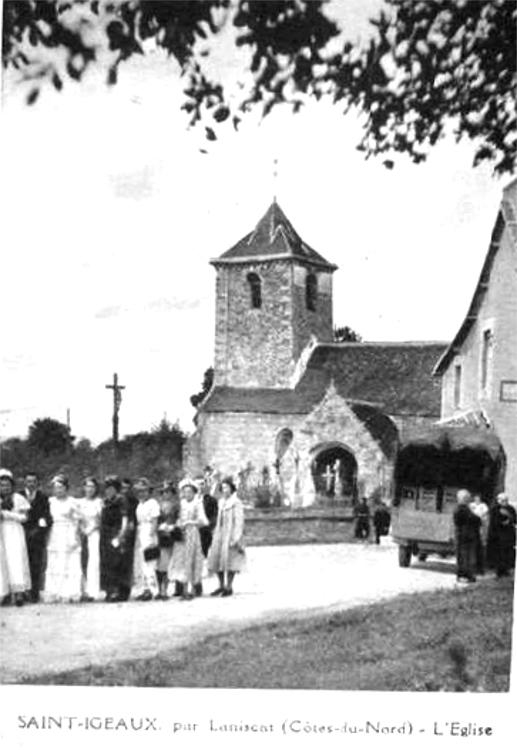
320 419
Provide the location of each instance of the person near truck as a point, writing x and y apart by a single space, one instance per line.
466 526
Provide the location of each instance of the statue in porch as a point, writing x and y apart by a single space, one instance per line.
338 480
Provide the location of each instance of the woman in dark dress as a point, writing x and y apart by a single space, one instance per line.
114 520
501 536
466 525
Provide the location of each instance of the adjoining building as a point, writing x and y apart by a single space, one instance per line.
323 419
478 370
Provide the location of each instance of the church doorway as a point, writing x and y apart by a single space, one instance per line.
334 472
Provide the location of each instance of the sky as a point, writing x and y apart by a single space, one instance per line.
110 214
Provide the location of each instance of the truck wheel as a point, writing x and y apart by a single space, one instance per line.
404 556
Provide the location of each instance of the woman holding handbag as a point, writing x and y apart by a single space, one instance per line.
147 551
168 533
187 556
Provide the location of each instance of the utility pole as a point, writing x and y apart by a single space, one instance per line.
117 399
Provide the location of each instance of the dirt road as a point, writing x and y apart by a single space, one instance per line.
280 582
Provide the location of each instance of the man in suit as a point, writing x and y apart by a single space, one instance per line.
210 507
37 528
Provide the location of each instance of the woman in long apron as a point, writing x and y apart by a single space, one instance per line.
15 579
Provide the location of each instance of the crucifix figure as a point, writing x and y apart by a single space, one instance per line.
117 399
328 476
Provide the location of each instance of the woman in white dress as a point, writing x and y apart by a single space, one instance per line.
15 579
64 575
147 551
227 555
91 509
187 555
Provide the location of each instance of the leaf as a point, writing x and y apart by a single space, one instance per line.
32 96
57 82
221 114
210 134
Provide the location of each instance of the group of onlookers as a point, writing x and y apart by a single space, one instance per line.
122 541
118 541
485 538
381 518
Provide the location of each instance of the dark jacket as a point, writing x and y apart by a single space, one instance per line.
466 524
39 510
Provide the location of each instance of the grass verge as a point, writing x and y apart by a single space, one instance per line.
457 640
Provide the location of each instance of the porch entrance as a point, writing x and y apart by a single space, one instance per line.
334 472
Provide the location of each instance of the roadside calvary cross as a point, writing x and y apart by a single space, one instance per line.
117 400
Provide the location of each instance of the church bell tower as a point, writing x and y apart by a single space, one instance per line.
273 294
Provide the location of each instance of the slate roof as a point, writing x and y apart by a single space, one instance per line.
396 378
505 218
273 237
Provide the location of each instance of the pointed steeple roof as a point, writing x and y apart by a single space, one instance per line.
274 237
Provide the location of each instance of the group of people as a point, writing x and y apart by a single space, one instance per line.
119 541
381 520
484 537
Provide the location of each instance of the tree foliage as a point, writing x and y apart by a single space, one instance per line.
208 379
49 436
345 333
429 65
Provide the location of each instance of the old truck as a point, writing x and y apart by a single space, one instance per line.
420 529
433 463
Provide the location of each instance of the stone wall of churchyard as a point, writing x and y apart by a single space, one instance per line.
245 443
307 526
259 347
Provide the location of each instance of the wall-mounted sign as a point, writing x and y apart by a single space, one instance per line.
508 390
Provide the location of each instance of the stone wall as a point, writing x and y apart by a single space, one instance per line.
259 347
230 442
318 526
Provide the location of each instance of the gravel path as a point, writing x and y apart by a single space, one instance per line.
281 582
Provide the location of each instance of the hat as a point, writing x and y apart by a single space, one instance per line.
229 481
6 474
61 479
113 481
143 484
187 482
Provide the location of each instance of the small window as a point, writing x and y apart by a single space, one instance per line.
486 358
311 291
255 290
457 386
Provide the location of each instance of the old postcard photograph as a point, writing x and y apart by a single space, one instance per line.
258 385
